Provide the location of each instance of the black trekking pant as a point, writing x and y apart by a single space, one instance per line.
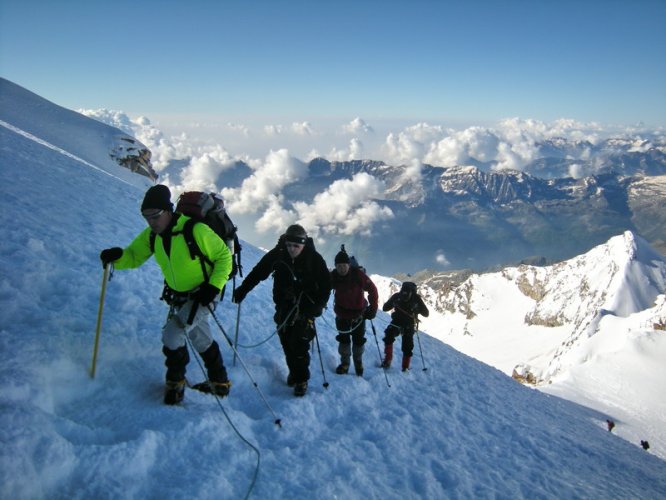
350 331
295 339
392 332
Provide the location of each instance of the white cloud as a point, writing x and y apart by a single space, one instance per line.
577 171
275 217
314 153
355 149
401 148
460 148
273 130
202 172
354 152
425 133
441 259
513 143
303 128
260 189
345 207
238 127
357 126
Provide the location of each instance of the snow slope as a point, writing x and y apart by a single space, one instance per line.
459 429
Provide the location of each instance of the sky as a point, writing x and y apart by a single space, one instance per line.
452 427
225 70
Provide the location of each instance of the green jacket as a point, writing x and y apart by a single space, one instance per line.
181 272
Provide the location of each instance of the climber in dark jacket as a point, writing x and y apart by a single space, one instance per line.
407 304
301 288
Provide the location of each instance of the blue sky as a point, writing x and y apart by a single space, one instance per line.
470 62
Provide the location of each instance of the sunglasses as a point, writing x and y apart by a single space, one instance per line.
294 245
154 216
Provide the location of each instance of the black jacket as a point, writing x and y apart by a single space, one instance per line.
306 278
406 309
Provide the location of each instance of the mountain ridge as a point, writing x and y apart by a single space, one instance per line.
476 219
622 277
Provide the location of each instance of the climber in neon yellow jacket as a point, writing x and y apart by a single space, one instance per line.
181 272
194 276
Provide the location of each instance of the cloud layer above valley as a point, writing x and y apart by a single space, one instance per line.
278 156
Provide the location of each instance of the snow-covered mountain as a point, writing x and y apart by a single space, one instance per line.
600 316
66 130
451 428
565 302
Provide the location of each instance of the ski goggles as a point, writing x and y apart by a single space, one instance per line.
154 216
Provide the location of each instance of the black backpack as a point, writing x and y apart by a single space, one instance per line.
208 209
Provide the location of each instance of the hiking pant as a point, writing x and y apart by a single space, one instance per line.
173 333
199 332
295 338
392 331
351 338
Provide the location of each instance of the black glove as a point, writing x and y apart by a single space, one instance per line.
239 295
109 255
369 313
206 294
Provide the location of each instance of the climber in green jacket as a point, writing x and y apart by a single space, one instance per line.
193 285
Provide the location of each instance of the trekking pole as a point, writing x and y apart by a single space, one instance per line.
99 320
418 338
374 332
278 421
236 334
321 363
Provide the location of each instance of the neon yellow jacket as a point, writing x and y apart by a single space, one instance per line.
181 272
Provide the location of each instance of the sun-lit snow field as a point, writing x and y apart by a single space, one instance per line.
459 429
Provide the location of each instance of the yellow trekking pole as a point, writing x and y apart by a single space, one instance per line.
99 320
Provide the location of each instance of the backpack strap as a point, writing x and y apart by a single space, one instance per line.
193 247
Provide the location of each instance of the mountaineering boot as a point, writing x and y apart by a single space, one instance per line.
220 388
388 355
174 392
217 383
344 349
358 368
357 352
300 389
342 369
405 363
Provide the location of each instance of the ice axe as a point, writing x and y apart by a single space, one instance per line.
100 310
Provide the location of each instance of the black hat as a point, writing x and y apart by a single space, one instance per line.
157 196
296 234
342 258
